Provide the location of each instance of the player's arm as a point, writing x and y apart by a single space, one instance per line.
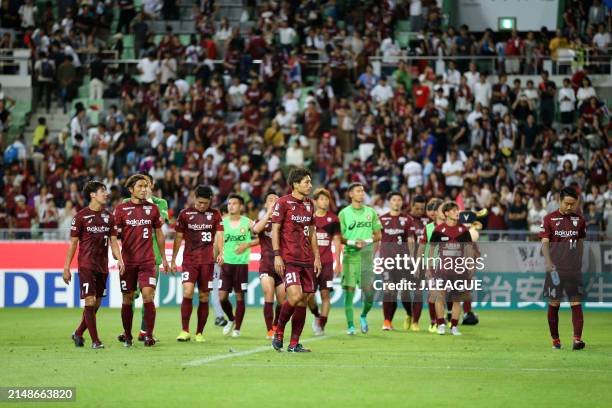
546 253
178 239
260 225
279 265
161 245
343 238
314 244
114 244
74 243
338 250
219 247
243 247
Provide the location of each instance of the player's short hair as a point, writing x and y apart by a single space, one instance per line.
133 179
394 193
269 193
419 199
202 191
354 185
448 206
568 192
237 197
321 192
434 204
297 175
148 176
92 187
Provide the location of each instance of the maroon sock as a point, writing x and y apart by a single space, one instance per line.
467 306
227 308
277 311
577 321
389 310
315 310
553 321
186 309
284 316
432 312
322 321
440 321
90 318
454 322
149 317
417 308
268 314
407 307
239 313
127 315
202 316
297 324
83 325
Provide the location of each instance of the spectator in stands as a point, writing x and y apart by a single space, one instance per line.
66 78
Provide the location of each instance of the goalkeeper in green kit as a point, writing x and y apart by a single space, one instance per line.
162 205
360 228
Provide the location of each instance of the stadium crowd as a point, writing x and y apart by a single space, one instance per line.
235 109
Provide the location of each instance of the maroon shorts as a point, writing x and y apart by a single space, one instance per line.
143 276
326 277
201 274
92 283
300 275
234 277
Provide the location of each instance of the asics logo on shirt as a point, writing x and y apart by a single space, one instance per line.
360 224
235 238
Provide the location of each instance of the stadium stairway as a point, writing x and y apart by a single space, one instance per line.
56 122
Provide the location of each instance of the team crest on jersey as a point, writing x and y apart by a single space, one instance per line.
328 219
402 222
307 205
369 217
574 223
208 216
147 209
105 219
242 230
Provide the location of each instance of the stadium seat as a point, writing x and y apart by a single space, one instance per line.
128 41
185 39
403 25
403 39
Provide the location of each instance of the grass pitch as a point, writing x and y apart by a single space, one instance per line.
506 360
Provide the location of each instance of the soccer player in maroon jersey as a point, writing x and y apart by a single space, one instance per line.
563 233
436 217
137 221
202 228
398 235
420 219
328 232
450 238
271 282
296 255
93 228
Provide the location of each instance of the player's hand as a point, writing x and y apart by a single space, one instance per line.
279 265
337 270
360 243
173 267
549 268
220 260
121 267
67 276
241 248
317 266
166 267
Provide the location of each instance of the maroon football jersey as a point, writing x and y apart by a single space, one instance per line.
328 226
93 229
564 231
295 218
418 226
137 224
199 230
265 242
452 241
395 233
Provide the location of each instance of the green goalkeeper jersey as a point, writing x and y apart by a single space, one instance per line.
358 224
162 206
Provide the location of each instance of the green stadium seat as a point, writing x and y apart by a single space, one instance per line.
157 39
128 53
402 38
128 41
403 25
185 39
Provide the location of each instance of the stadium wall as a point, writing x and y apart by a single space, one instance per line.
31 276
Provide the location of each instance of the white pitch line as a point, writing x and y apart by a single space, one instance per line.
212 359
417 367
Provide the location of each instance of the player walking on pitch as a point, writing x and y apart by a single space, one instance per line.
202 228
563 233
328 232
296 255
92 229
235 268
137 221
360 228
271 282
